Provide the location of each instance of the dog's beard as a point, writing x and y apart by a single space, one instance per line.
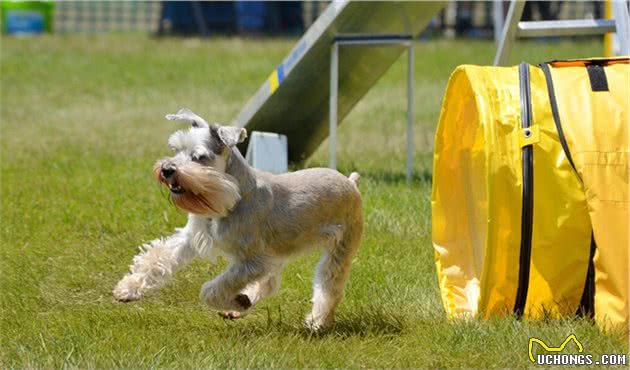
206 192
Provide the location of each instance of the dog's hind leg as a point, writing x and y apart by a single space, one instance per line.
330 278
155 264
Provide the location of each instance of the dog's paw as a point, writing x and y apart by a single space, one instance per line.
128 289
315 324
231 315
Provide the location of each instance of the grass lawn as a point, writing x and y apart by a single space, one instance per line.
81 126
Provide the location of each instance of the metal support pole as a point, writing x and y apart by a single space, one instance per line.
497 19
332 118
410 62
508 36
622 20
369 40
514 28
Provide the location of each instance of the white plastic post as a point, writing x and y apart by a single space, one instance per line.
268 151
332 118
410 62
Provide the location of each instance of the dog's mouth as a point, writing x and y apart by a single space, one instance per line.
171 181
175 188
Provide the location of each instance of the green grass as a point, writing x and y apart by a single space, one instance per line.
81 125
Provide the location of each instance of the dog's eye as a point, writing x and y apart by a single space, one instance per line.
199 157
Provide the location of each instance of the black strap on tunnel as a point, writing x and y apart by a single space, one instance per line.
587 302
528 194
555 113
597 77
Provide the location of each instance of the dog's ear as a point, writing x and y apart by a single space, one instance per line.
187 115
232 135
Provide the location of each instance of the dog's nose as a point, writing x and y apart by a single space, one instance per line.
168 171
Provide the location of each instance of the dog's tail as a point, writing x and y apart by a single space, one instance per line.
355 178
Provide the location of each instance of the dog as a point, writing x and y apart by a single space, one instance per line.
258 221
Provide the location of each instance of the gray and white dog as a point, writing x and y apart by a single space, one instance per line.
257 220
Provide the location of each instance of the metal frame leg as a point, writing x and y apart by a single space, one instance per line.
332 119
497 19
620 11
508 36
334 91
410 67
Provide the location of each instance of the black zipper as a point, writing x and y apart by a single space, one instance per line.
528 194
587 303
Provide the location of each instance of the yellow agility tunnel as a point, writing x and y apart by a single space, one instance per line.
530 191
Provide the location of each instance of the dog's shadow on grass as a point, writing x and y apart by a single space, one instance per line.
361 323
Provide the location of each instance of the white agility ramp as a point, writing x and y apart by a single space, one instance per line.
294 100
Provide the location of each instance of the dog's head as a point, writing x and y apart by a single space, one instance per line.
195 174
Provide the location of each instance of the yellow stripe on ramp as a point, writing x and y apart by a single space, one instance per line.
273 81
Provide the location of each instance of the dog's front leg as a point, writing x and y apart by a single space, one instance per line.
265 287
224 293
157 261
